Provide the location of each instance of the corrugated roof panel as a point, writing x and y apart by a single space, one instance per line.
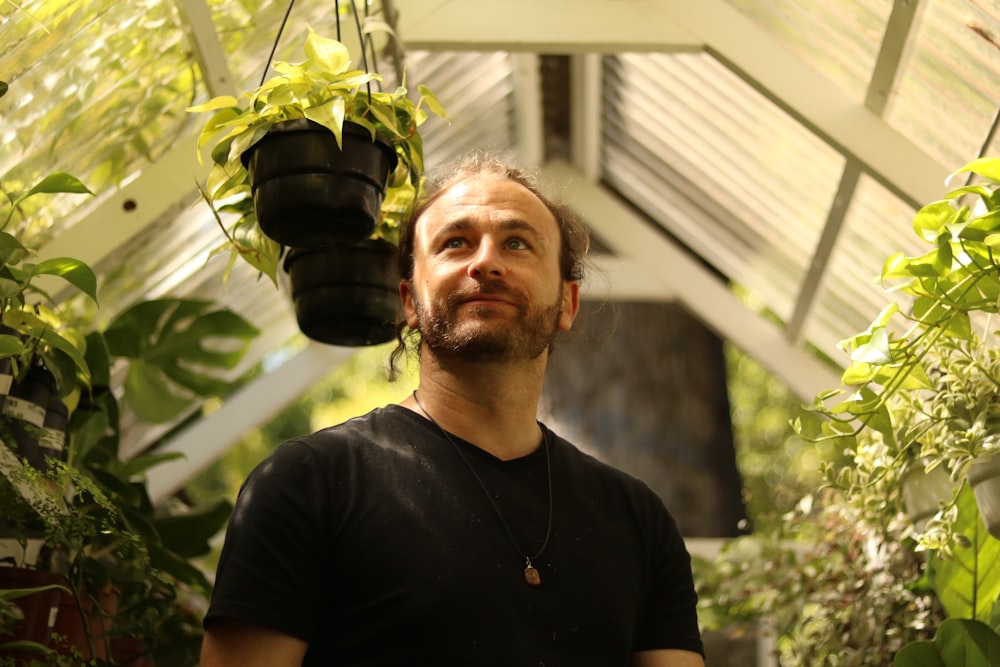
949 89
720 167
477 91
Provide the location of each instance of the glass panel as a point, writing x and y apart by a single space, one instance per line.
89 92
840 38
877 225
950 86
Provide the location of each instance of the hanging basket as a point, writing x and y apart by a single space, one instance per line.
984 478
346 293
308 192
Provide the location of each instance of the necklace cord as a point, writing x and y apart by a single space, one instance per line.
489 496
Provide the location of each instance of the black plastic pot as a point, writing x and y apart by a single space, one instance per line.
308 192
24 411
347 293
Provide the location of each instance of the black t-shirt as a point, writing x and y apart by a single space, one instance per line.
373 542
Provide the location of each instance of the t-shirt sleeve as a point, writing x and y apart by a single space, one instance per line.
670 618
270 572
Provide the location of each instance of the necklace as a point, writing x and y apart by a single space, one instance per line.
531 574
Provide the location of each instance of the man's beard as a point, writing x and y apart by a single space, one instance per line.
475 337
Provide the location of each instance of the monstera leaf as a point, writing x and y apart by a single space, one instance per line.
177 350
959 642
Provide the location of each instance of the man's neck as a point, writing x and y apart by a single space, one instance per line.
493 406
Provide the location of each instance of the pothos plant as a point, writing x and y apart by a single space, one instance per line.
34 330
324 89
923 392
927 389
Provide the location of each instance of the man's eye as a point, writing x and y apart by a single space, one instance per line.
455 243
517 244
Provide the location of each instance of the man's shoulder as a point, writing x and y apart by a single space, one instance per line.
587 467
381 426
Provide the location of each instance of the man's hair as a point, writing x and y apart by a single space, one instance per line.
574 239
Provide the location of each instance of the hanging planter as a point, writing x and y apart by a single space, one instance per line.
346 293
24 413
319 93
984 478
308 191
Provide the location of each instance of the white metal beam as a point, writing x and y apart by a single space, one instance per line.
608 26
895 46
587 109
670 272
542 26
211 56
528 108
257 403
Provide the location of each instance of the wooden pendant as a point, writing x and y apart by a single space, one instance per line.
531 576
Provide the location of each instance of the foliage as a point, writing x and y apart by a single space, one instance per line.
33 328
925 396
856 582
837 583
778 467
324 89
99 525
929 392
967 578
169 345
958 641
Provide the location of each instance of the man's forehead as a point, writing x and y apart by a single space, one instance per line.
491 191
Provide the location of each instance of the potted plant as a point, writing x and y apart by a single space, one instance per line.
324 119
118 566
41 358
924 395
929 388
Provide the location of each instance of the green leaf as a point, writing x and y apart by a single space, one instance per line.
73 271
328 55
876 350
432 101
11 346
153 399
11 250
188 534
216 104
959 642
988 167
57 182
176 348
968 583
931 220
98 359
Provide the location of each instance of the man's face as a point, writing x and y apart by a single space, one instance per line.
486 284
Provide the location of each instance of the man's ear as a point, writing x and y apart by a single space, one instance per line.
570 304
409 304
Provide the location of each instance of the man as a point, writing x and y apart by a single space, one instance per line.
454 528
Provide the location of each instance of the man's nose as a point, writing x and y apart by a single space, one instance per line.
487 260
